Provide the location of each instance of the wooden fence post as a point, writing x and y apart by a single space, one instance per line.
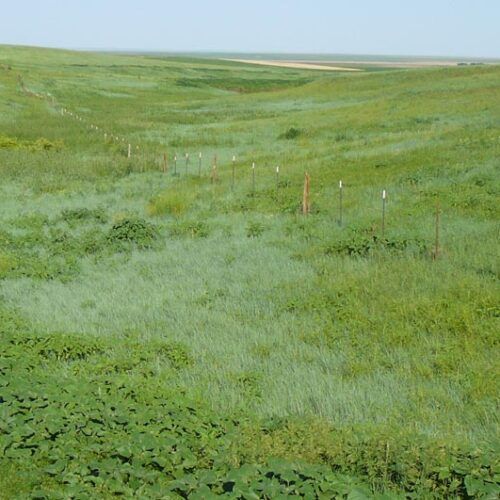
436 243
306 204
165 163
233 172
213 177
340 203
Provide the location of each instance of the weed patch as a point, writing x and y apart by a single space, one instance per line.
189 228
132 231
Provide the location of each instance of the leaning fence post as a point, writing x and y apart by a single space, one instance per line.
129 152
277 178
306 206
175 164
199 165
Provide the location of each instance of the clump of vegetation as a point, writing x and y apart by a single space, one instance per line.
362 245
170 202
134 231
79 215
189 228
40 144
58 346
291 133
176 354
255 229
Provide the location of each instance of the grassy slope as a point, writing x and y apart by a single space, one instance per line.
277 317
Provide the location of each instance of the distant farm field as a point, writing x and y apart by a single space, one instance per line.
173 325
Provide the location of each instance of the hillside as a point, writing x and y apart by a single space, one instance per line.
171 328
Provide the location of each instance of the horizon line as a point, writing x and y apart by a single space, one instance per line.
248 52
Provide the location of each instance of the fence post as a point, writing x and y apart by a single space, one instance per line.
213 177
306 206
436 244
340 203
233 172
253 178
165 163
199 165
384 200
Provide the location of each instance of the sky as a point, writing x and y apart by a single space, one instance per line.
468 28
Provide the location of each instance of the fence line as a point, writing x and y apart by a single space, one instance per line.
214 176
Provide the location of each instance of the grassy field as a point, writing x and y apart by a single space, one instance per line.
168 334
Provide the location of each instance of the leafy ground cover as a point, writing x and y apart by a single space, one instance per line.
178 333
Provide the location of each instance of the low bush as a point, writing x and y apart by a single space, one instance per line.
132 231
291 133
359 245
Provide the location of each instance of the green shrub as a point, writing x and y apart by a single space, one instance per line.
291 133
133 231
360 245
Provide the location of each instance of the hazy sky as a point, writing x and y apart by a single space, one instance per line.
410 27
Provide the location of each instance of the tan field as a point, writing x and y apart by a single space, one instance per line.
293 64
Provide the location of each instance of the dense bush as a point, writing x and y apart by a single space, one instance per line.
133 231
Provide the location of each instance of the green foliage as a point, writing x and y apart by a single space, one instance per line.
362 245
255 229
40 144
242 85
189 228
170 202
92 432
79 215
59 347
291 133
133 231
